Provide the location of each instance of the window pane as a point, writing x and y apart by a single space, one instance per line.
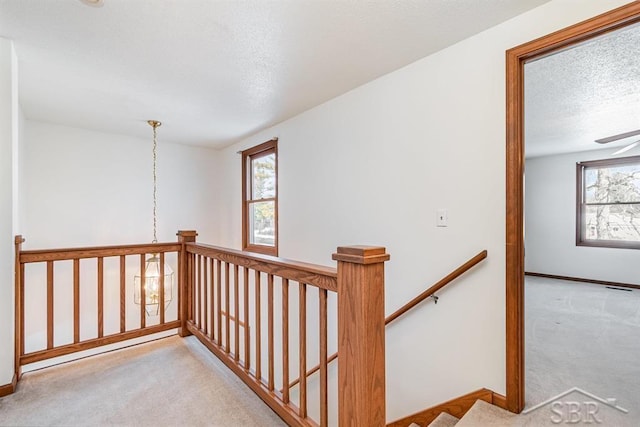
612 222
612 184
262 223
263 177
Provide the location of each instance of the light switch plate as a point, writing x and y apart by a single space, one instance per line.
441 218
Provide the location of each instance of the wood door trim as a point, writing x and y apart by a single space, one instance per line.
515 60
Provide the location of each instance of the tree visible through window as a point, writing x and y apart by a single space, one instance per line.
609 203
260 198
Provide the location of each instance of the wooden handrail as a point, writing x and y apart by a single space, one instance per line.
312 274
63 254
417 300
436 287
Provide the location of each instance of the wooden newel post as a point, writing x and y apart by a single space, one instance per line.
19 309
184 287
361 369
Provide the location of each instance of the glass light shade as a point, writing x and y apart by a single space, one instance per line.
152 277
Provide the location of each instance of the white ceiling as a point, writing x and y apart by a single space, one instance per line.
216 71
587 92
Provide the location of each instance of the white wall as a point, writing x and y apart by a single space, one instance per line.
91 188
373 165
550 229
87 188
18 186
9 120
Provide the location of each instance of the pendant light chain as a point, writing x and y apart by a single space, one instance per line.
155 185
154 282
154 124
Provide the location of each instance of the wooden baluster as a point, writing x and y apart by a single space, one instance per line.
123 294
258 328
49 304
205 298
303 350
227 304
270 330
198 292
19 310
361 371
324 394
184 284
161 289
247 336
285 340
202 286
189 290
213 295
194 288
219 309
76 300
236 310
143 293
100 297
22 287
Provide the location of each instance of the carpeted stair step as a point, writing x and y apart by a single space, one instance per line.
486 414
444 420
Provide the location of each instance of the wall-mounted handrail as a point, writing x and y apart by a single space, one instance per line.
414 302
437 286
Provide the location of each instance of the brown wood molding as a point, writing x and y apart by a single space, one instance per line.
579 279
18 327
499 400
514 276
456 407
10 388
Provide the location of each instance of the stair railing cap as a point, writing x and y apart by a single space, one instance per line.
361 254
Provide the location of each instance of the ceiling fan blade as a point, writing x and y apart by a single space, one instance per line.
627 148
617 137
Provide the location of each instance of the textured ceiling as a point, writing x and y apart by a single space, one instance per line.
584 93
216 71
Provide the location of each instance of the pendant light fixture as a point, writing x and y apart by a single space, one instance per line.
158 284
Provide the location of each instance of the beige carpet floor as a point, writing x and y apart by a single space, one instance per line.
586 336
169 382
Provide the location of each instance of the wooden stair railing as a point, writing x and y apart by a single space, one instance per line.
112 301
231 301
414 302
273 296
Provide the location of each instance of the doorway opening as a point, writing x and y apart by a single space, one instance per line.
515 157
